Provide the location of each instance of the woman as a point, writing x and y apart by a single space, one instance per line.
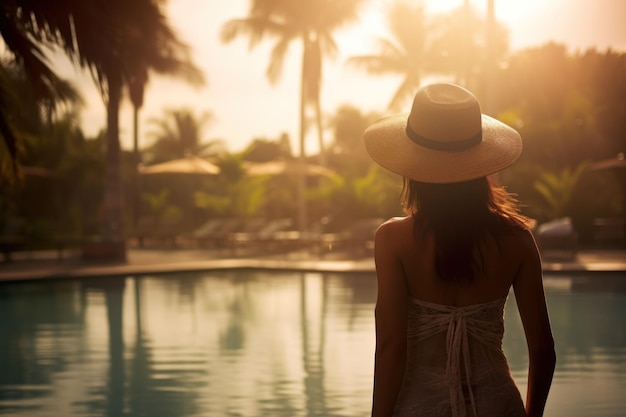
445 271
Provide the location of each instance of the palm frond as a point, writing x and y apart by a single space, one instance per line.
7 132
388 47
407 25
30 56
277 59
404 92
255 27
329 45
8 166
377 64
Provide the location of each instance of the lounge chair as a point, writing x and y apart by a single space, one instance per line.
220 235
557 239
357 239
203 234
150 230
264 234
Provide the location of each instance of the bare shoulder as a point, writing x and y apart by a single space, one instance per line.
514 251
394 227
393 231
526 254
523 243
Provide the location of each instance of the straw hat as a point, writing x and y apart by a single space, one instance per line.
444 139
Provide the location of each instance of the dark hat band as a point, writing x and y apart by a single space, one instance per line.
459 145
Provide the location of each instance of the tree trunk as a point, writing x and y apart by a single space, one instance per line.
136 162
314 82
136 89
113 231
320 130
463 74
301 187
488 102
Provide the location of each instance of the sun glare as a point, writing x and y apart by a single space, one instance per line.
505 10
509 12
373 22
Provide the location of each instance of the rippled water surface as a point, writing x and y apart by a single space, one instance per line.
259 344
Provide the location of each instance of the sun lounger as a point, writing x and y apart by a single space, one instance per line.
357 239
264 234
221 235
557 239
152 231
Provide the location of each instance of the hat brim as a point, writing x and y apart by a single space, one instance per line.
387 143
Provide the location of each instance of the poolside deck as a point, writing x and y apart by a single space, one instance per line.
46 265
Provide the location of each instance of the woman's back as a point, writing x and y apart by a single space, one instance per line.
444 272
499 259
455 365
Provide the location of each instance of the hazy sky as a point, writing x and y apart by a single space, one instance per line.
243 103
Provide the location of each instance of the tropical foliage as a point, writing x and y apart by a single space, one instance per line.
264 150
178 134
557 190
450 44
347 153
406 53
568 107
117 41
25 113
310 22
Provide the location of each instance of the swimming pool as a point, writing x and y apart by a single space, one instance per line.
259 343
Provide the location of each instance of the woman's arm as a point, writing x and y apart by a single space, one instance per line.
391 317
530 297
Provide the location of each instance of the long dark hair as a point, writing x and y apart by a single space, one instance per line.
460 215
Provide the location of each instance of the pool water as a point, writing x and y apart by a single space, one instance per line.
252 343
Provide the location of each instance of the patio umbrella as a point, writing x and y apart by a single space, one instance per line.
615 165
293 168
191 168
618 162
189 165
286 167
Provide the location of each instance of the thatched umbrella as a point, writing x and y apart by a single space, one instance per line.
188 165
295 168
286 167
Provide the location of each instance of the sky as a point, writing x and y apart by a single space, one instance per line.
245 106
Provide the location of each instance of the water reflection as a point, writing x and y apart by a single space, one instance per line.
255 344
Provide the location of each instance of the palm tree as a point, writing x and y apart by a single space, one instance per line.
179 134
167 56
452 43
27 115
310 22
26 59
136 90
468 46
405 53
349 157
146 42
104 37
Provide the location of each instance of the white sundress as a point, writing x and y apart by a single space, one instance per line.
455 363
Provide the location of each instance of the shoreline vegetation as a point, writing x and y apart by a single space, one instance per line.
64 189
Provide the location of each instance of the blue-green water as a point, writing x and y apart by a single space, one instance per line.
259 344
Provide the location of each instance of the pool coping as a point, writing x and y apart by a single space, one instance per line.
598 262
